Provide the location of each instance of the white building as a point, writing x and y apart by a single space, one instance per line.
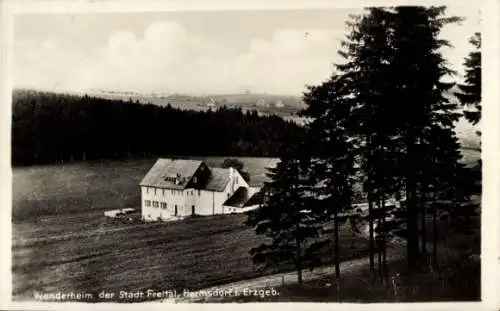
279 104
262 103
211 103
175 188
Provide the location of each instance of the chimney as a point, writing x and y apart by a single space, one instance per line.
231 178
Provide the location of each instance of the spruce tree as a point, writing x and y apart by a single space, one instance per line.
285 218
367 52
395 70
332 168
470 90
418 69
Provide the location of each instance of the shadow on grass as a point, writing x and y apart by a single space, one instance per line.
457 280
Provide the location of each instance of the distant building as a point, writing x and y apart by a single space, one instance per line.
175 188
211 103
262 103
279 104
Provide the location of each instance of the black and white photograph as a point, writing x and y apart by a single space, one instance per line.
247 155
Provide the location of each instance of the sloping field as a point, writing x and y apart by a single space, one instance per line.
62 189
291 104
62 242
83 253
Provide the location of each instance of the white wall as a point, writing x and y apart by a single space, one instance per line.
205 202
171 197
236 210
235 181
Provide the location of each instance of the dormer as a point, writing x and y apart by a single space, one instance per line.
173 178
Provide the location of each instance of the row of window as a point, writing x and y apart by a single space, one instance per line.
173 192
156 204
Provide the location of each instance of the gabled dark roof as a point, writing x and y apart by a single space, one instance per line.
242 198
256 199
218 180
239 198
182 169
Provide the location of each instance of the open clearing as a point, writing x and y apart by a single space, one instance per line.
62 241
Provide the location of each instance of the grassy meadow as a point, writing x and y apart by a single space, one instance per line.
61 240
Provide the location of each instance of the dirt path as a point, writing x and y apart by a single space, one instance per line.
269 281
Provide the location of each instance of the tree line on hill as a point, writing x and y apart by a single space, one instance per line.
381 120
59 128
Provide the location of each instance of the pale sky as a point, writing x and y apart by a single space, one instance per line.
192 52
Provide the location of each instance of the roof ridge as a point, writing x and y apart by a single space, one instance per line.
184 168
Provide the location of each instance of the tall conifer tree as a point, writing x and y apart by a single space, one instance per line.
418 87
395 70
367 52
470 90
330 105
285 218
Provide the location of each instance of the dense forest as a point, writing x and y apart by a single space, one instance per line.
59 128
381 120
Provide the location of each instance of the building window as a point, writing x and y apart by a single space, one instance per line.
147 190
163 205
148 203
155 204
171 179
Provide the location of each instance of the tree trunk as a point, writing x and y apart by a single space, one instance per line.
384 241
412 244
423 221
298 257
370 206
370 225
379 242
336 250
434 231
379 253
411 208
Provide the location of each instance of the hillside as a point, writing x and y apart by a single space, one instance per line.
59 128
62 241
282 105
285 106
